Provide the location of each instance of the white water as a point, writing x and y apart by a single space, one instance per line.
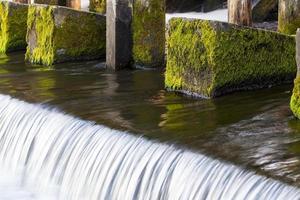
217 15
54 156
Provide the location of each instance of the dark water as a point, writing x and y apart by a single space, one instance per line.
252 129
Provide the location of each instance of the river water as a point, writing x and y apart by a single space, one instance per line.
255 131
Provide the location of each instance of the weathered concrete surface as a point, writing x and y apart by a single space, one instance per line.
119 36
289 16
210 58
59 34
265 10
295 100
148 29
13 26
240 12
98 6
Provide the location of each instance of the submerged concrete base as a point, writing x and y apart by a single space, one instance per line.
13 26
210 58
58 34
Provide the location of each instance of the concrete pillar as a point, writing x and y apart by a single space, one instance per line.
240 12
118 34
135 33
59 34
289 16
13 26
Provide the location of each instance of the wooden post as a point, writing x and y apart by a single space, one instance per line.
240 12
118 34
135 33
288 16
76 4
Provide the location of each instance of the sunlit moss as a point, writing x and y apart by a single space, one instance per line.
148 28
212 58
13 18
79 35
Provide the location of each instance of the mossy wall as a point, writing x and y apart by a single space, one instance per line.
295 100
212 58
289 16
148 29
98 6
57 34
13 26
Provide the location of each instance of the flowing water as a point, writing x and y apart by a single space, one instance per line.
158 145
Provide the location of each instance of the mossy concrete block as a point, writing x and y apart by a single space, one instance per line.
265 10
148 29
57 34
295 100
98 6
13 26
209 58
289 16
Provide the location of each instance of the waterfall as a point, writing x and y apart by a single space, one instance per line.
76 159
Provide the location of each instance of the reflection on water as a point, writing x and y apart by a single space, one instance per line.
252 129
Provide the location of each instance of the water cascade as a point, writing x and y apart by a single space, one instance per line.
75 159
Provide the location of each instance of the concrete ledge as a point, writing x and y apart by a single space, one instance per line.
210 58
13 26
58 34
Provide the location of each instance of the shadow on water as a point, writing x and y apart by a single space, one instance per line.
252 129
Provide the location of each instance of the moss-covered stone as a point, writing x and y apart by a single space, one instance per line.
13 26
57 34
295 100
98 6
265 10
289 16
213 58
148 29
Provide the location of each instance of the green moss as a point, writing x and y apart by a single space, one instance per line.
295 100
77 38
3 26
13 19
148 28
213 58
98 6
74 36
41 21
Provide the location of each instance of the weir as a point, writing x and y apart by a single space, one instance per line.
80 159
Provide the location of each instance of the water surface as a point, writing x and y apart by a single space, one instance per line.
254 130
